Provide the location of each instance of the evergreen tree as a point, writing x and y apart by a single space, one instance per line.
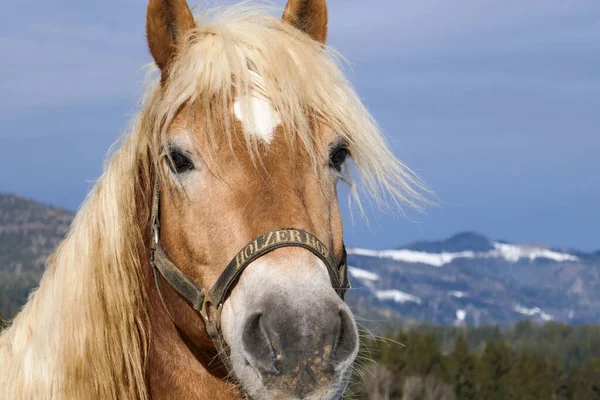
3 323
393 356
423 355
585 382
531 378
465 376
558 378
496 363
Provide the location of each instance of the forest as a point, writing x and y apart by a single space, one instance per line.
525 361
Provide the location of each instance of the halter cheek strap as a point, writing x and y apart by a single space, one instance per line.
209 303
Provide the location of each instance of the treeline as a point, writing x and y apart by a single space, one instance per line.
552 361
15 289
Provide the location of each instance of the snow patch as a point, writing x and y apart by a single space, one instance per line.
363 274
513 252
533 312
411 256
510 252
397 296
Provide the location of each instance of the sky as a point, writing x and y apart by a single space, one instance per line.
494 103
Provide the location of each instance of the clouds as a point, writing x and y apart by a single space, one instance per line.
56 56
67 52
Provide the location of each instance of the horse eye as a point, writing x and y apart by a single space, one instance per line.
180 163
338 157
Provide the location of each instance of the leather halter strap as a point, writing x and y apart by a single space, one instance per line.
209 302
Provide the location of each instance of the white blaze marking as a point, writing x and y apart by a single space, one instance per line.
262 122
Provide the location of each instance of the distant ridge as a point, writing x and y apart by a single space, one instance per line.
463 241
478 243
29 233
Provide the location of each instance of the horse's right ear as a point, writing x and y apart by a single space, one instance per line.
167 22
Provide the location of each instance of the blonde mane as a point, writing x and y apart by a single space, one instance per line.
243 52
83 333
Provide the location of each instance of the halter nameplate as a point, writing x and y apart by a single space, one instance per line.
267 243
281 237
257 248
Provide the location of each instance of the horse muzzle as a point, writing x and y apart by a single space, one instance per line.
290 335
296 350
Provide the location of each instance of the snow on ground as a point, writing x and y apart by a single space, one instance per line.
397 296
362 274
532 312
435 259
510 252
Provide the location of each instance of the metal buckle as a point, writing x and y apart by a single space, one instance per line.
207 301
212 325
155 232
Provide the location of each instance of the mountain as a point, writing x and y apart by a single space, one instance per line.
461 242
29 232
470 279
465 279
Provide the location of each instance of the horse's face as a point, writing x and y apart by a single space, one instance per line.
289 333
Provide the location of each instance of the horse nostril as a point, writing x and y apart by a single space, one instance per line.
257 346
347 339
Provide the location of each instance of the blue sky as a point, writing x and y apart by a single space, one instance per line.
495 103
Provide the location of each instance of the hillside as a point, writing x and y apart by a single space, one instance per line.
466 279
29 232
470 279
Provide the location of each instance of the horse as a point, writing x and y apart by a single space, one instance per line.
207 262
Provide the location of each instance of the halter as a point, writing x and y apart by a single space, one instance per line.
209 302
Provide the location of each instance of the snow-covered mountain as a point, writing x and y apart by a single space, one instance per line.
471 279
509 252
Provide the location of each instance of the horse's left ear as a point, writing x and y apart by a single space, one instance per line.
310 16
167 22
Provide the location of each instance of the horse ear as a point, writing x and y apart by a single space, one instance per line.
167 21
310 16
